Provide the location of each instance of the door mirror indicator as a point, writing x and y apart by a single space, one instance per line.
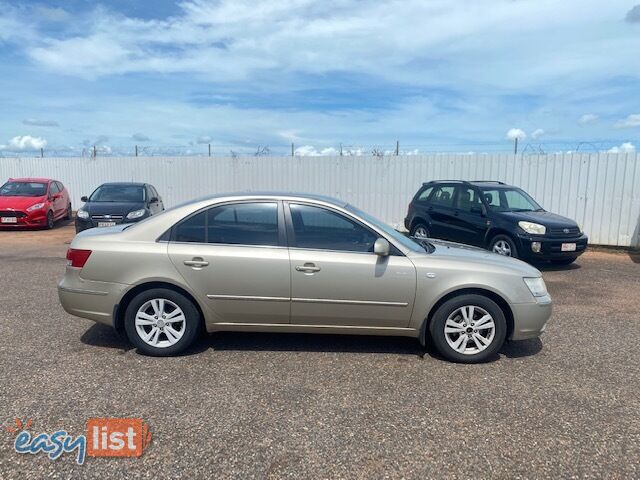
381 247
84 199
153 200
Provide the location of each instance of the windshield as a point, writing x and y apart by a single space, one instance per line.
23 189
510 200
118 193
408 242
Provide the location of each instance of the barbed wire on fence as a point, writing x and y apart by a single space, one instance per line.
341 149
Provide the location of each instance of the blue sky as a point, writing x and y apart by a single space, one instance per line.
437 75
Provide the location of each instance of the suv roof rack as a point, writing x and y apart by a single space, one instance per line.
450 181
489 181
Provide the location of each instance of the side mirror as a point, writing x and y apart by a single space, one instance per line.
84 199
153 200
381 247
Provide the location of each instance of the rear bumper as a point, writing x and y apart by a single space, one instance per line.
550 248
530 319
89 299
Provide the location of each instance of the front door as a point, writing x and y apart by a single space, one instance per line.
337 280
234 257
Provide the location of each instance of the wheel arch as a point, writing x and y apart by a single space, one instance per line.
416 220
498 299
120 309
494 232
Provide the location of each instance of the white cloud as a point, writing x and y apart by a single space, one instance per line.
633 15
631 121
516 133
626 147
25 142
588 118
537 133
40 123
311 151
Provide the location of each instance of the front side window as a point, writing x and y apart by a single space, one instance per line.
235 224
509 200
443 196
321 229
23 189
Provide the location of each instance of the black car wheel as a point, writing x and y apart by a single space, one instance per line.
420 231
50 221
503 245
69 213
468 329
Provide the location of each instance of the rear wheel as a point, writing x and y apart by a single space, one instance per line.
468 329
69 213
50 220
420 231
162 322
503 245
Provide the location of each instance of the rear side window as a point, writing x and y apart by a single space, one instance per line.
424 195
321 229
53 189
443 196
60 186
236 224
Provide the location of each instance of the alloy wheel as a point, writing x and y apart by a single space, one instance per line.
469 330
502 247
160 323
421 233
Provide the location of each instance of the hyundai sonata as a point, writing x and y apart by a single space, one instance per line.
296 263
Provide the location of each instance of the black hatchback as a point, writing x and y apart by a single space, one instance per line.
492 215
114 203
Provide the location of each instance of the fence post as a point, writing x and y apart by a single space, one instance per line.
94 152
515 147
340 148
41 152
292 150
209 149
397 147
136 150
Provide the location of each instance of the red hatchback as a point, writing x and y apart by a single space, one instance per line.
33 202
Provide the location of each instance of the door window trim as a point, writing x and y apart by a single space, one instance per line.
169 235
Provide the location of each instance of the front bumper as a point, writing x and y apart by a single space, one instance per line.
37 219
88 298
550 247
530 319
85 224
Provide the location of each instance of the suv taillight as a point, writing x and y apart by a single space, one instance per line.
77 258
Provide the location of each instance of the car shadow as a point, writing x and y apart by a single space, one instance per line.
522 348
550 267
99 335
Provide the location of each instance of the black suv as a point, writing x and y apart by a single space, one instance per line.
492 215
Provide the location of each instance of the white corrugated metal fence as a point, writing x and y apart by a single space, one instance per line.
600 191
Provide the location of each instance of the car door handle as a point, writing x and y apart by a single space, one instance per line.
196 263
307 268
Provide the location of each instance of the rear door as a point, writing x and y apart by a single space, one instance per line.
234 256
469 221
157 206
441 211
337 280
57 200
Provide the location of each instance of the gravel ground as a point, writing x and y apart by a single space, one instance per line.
303 406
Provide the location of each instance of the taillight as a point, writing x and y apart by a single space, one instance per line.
77 258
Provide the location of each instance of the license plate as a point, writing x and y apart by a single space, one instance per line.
106 224
568 247
9 220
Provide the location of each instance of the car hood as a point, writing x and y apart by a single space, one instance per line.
19 203
477 258
112 208
547 219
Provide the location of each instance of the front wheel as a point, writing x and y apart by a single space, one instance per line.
162 322
420 231
503 245
50 220
468 329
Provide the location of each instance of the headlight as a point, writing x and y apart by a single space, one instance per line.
82 214
37 206
534 228
536 286
136 214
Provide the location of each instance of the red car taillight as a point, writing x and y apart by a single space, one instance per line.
77 258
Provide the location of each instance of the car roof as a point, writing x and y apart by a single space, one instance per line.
269 195
475 183
32 179
130 184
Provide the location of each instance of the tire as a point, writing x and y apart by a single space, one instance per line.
564 261
50 220
69 213
477 349
420 228
504 244
171 338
